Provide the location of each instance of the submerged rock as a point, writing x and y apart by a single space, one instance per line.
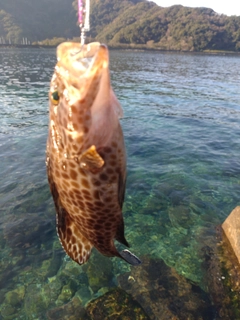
8 312
36 302
99 272
26 231
115 305
231 228
15 297
222 277
66 294
164 294
70 311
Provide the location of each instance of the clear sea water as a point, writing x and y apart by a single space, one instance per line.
181 127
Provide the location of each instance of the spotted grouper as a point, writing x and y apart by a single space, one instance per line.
86 159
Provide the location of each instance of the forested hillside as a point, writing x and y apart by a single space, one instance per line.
37 19
121 23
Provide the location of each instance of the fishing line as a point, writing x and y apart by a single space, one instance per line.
83 19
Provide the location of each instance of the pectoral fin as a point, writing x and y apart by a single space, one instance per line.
91 160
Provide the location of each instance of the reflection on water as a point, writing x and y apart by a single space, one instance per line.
181 120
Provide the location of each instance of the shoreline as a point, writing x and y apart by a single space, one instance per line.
131 48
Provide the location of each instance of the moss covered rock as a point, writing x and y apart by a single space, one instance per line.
15 297
73 310
222 277
115 305
99 272
164 294
65 295
36 301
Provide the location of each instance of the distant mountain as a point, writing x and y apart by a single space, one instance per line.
122 23
37 19
143 23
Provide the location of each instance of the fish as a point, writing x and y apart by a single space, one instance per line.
85 154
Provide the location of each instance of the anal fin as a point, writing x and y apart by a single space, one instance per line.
74 243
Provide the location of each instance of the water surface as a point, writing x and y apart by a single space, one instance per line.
181 127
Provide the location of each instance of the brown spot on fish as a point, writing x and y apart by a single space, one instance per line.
85 147
89 198
85 129
112 163
73 174
74 109
109 171
103 177
65 175
75 147
108 199
74 184
65 183
80 119
85 183
98 203
96 194
81 203
113 157
107 150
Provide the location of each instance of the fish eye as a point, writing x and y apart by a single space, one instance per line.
55 97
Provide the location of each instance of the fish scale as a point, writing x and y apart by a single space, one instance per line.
86 159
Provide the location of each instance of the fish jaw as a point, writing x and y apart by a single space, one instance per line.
80 68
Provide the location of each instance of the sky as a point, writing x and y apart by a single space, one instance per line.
229 7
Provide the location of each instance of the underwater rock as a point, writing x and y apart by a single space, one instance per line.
73 310
36 302
115 305
28 230
231 228
164 294
8 312
72 270
84 294
66 294
12 303
49 267
222 277
15 297
99 271
55 287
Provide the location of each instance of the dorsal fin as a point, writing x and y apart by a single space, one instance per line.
91 160
120 234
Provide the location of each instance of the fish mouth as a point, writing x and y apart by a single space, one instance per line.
81 61
77 59
78 67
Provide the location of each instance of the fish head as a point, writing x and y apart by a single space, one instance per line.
82 103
